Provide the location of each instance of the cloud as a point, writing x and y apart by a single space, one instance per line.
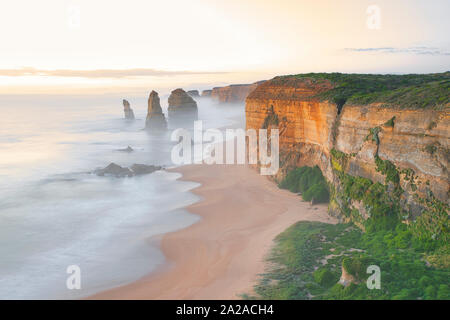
411 50
98 73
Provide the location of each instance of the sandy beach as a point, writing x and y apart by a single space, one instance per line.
221 256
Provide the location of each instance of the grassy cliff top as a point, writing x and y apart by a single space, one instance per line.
408 91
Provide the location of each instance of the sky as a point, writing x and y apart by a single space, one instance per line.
131 46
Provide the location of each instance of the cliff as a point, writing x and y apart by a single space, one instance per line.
129 114
155 117
206 93
235 93
383 135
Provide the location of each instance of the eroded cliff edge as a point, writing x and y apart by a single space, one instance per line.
235 93
382 142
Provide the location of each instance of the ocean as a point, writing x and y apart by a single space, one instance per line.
55 213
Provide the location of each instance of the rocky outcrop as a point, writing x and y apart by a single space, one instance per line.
119 172
346 278
114 170
181 106
129 114
141 169
155 117
404 148
127 149
235 93
193 93
206 93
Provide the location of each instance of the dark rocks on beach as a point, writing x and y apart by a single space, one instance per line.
129 114
155 117
135 170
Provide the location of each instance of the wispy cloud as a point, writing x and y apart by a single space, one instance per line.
411 50
98 73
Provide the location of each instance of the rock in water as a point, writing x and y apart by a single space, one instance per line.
135 170
193 93
182 106
155 117
114 170
127 149
129 114
140 169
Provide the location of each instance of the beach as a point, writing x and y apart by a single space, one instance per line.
221 256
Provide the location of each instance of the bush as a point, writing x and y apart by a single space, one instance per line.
443 292
297 251
324 277
356 266
318 192
309 181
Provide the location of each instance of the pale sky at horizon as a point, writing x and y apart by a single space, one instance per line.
141 45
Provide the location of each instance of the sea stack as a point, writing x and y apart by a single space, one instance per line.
181 106
193 93
129 114
155 117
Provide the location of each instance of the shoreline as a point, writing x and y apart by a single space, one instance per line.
221 255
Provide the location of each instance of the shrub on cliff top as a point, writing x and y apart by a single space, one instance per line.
409 91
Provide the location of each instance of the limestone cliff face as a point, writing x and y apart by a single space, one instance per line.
235 93
206 93
129 114
155 117
181 106
305 124
313 132
419 140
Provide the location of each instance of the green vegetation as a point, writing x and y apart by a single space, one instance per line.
309 181
408 91
373 135
431 148
390 122
388 169
307 258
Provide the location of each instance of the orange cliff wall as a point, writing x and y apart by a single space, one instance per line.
310 129
235 93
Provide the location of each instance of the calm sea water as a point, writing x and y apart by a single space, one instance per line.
53 213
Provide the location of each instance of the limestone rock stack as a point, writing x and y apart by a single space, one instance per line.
155 117
193 93
129 114
181 106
